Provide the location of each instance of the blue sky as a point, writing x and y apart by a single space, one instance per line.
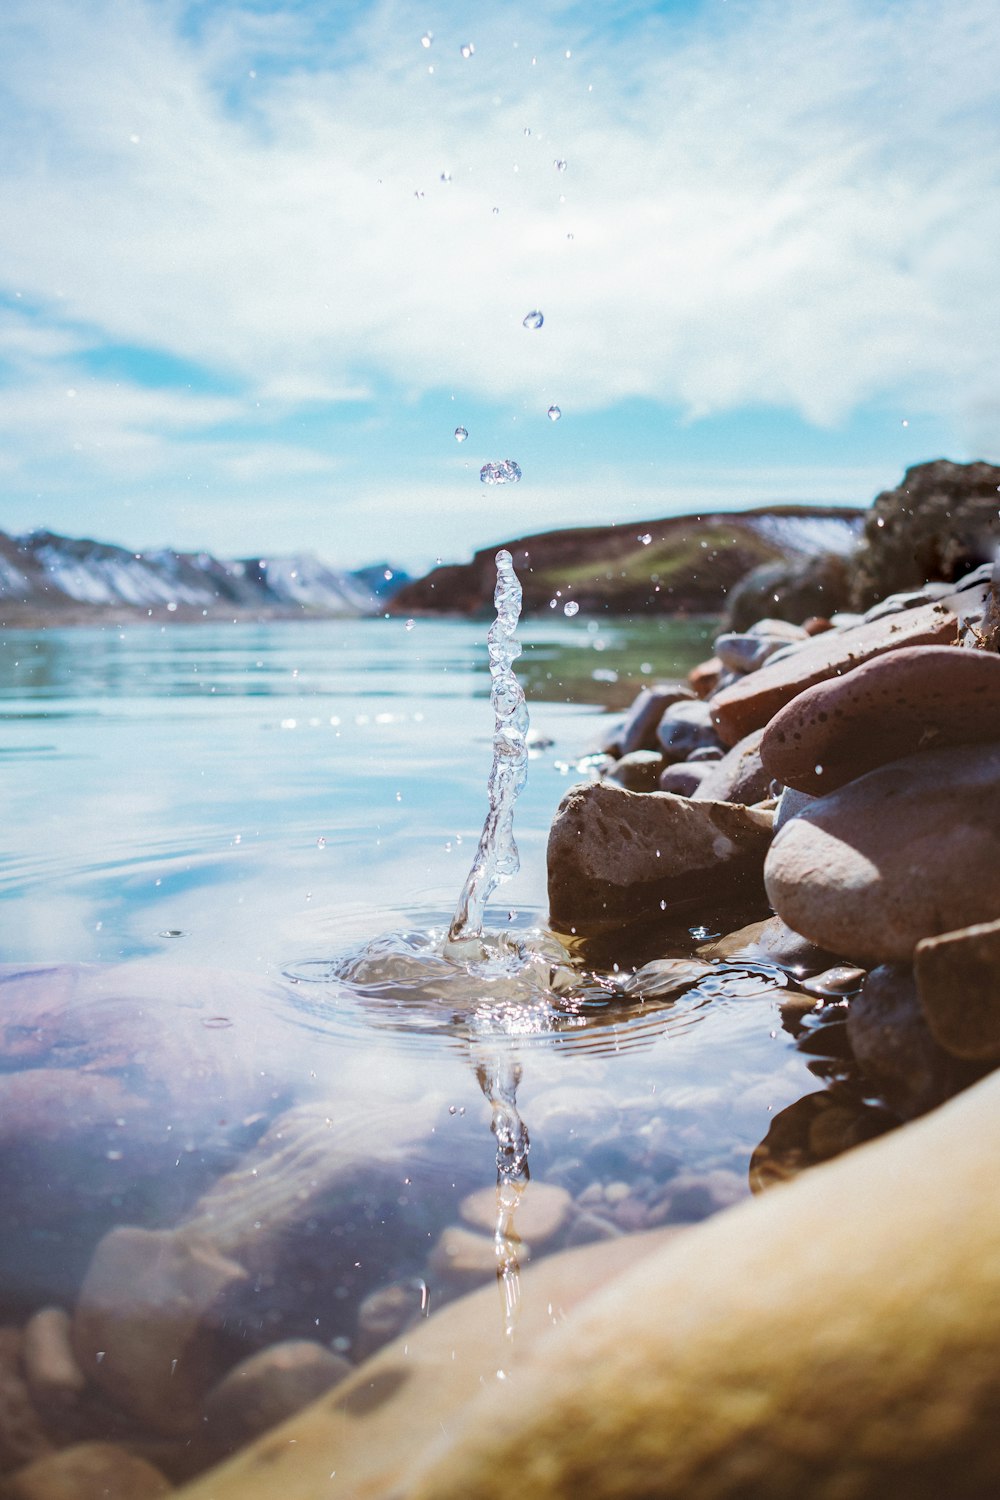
259 260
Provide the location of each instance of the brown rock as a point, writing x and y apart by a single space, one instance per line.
50 1367
686 727
615 855
958 979
684 778
142 1329
754 700
386 1312
912 699
637 772
87 1471
638 731
704 678
908 851
542 1211
267 1387
464 1259
739 776
22 1435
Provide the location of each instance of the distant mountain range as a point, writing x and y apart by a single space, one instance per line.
65 578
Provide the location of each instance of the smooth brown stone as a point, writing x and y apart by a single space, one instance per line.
754 700
87 1471
739 776
614 856
704 678
906 852
958 979
50 1367
916 698
542 1210
268 1387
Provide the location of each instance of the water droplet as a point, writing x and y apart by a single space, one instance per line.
453 1109
645 539
527 129
904 423
321 842
533 319
387 574
427 38
445 176
216 1023
504 471
571 608
417 193
461 433
553 413
571 236
468 49
409 624
559 164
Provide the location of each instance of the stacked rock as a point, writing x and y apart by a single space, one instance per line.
879 736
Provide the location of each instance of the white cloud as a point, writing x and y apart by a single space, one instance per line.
777 203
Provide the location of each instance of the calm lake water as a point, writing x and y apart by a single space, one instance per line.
198 821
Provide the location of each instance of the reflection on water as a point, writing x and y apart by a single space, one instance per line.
242 1081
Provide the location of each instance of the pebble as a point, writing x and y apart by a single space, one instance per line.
686 727
463 1259
266 1387
542 1211
386 1313
704 678
739 776
684 778
958 979
639 771
840 979
638 730
906 852
87 1471
912 699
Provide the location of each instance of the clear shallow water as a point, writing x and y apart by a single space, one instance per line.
217 835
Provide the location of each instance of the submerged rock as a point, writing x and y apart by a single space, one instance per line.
906 852
615 856
267 1387
920 697
88 1471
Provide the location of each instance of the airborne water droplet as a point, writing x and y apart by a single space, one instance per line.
559 164
461 433
427 38
504 471
409 624
645 539
534 319
571 608
553 413
468 49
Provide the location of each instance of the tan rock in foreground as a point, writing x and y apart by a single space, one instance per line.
614 856
835 1338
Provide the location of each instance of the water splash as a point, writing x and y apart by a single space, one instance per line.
498 1077
496 857
504 471
534 319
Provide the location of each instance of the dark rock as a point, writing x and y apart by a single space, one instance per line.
739 776
893 1045
704 678
686 727
637 772
638 730
267 1387
683 779
958 979
793 590
942 520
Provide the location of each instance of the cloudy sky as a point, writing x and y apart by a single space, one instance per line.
259 260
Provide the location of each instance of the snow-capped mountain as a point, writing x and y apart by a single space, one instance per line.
44 571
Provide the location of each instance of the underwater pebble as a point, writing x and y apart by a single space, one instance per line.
542 1210
88 1471
266 1387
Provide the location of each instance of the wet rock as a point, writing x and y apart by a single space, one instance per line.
832 983
662 978
686 727
22 1434
750 703
710 1349
375 1423
815 1128
693 1196
87 1471
462 1259
638 730
772 941
54 1377
591 1227
684 778
614 855
906 852
913 699
143 1328
739 776
267 1387
638 771
958 980
542 1211
893 1045
386 1312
